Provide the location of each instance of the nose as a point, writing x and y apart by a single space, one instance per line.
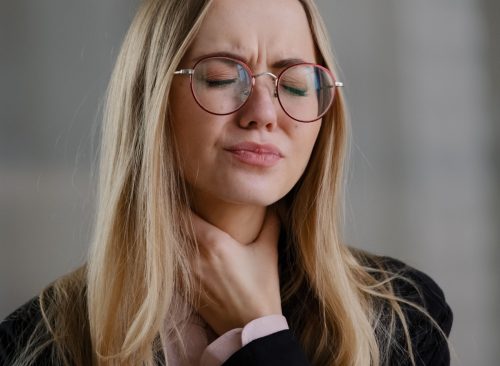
261 108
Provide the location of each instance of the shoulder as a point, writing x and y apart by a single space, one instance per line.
17 328
51 328
428 332
416 286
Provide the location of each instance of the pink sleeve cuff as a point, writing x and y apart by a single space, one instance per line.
262 327
223 347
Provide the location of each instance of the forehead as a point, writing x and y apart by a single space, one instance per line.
260 31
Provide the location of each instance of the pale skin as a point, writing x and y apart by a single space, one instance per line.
236 231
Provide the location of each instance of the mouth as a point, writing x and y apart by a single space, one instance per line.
251 153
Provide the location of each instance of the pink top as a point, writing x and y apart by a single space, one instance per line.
206 349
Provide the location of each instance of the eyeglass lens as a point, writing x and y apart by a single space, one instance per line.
222 86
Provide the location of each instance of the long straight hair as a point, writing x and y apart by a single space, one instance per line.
132 294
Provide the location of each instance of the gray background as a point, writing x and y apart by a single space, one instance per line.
421 83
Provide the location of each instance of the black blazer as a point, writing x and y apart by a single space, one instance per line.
429 347
282 348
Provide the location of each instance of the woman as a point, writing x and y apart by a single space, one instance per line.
217 236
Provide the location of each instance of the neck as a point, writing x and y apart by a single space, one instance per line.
242 222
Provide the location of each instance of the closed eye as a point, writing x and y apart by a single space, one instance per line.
219 83
295 91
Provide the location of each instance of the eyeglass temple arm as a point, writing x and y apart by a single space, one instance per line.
191 71
337 84
184 72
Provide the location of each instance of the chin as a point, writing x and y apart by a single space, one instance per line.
251 197
252 192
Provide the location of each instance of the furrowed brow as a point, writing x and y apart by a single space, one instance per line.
221 54
287 62
276 65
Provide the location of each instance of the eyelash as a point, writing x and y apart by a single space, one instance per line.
219 83
296 91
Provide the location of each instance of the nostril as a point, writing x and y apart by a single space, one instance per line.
251 124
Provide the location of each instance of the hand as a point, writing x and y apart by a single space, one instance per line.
239 282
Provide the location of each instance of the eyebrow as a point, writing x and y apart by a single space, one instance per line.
277 65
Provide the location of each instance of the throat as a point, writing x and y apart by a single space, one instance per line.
242 222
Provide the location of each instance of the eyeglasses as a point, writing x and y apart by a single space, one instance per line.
222 85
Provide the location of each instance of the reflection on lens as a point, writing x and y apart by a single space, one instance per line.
221 85
305 92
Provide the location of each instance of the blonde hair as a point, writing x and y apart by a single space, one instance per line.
138 268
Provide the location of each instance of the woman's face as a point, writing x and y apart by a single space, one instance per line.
255 155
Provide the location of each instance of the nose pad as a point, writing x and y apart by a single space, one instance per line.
274 78
261 109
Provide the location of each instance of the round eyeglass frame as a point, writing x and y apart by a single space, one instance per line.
253 76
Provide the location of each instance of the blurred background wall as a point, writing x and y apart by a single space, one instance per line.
422 87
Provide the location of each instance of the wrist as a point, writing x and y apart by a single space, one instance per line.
260 314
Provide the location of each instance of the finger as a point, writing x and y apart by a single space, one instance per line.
200 273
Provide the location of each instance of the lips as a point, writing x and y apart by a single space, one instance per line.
251 153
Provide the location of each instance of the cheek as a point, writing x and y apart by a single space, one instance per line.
185 120
194 143
304 141
307 137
